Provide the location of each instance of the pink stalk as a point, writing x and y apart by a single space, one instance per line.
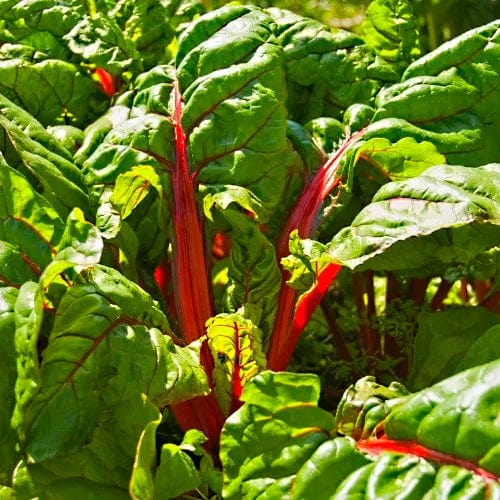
193 295
292 317
192 292
377 446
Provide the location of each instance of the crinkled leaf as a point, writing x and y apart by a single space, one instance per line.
236 347
55 92
98 39
273 434
28 220
100 326
454 331
327 69
69 137
49 15
424 221
390 28
60 178
458 416
81 242
233 112
326 132
28 318
364 405
449 97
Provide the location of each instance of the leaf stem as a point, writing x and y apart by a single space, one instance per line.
335 333
193 295
290 320
368 336
377 446
440 295
417 289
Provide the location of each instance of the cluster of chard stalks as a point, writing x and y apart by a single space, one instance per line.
184 279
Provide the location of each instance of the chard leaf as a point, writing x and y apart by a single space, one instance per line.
175 473
458 416
390 28
485 349
81 242
55 92
449 97
14 270
99 327
142 478
98 39
28 144
422 454
28 220
132 187
427 213
236 347
458 330
28 319
327 70
400 160
48 15
299 461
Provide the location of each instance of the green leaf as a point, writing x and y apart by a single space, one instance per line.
176 474
390 28
364 405
28 318
403 159
55 92
455 332
61 180
132 187
98 39
457 416
424 221
253 274
142 478
28 220
485 349
273 434
99 328
449 97
327 69
81 242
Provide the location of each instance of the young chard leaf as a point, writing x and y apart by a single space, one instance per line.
236 347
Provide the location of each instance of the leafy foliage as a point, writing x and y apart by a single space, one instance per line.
246 178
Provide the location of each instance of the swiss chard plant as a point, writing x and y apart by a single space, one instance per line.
193 202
